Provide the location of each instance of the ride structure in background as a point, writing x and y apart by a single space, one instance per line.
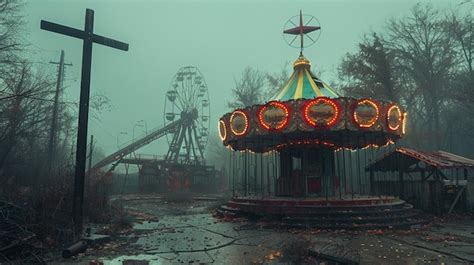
186 128
188 100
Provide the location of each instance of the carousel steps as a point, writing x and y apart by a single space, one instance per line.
346 211
405 223
396 213
353 219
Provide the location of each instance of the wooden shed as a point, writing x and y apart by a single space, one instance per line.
435 181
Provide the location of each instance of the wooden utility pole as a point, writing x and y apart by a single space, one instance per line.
54 118
88 37
91 149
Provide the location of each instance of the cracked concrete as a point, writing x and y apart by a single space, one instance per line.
188 233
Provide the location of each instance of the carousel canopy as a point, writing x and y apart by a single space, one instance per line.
306 112
303 84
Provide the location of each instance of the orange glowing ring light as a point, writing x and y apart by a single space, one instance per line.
373 104
222 128
246 121
396 108
334 104
276 104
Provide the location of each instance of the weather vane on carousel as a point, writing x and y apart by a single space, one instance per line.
303 28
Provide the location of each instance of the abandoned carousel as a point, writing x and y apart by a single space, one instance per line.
299 158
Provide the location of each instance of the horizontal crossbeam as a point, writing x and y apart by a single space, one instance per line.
110 42
71 32
75 33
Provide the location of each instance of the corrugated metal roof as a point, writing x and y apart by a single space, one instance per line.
404 157
441 159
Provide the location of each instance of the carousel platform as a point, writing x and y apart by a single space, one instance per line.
358 212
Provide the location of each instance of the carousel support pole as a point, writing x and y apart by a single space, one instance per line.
242 173
351 175
358 172
232 167
255 174
262 189
365 172
277 165
371 182
344 170
247 171
273 172
339 173
325 178
336 173
401 183
228 172
268 173
333 173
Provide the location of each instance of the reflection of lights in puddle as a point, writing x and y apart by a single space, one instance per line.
273 255
151 259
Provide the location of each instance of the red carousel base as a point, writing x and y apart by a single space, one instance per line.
332 213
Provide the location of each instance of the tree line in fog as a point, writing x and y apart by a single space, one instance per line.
27 99
423 60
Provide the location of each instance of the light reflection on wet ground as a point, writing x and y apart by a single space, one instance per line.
188 233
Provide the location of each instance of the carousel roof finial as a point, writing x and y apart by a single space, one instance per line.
303 29
303 83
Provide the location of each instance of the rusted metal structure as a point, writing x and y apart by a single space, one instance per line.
186 127
435 181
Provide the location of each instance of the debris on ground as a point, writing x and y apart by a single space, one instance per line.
17 243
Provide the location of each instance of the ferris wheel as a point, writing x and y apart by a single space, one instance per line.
187 100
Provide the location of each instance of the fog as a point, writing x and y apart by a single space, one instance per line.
220 38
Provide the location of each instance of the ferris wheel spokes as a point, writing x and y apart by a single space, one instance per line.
188 99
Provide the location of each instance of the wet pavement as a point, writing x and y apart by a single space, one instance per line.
162 232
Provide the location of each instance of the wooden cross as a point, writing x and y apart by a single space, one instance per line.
88 37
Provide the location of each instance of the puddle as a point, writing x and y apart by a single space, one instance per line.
151 259
147 225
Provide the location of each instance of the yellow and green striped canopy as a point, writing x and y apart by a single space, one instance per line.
303 84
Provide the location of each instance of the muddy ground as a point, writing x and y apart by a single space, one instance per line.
155 230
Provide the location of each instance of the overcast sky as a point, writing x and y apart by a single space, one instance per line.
221 38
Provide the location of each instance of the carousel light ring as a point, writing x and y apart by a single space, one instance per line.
394 117
365 113
239 122
222 130
274 115
315 114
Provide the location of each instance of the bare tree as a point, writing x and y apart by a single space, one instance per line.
276 80
461 29
10 25
423 61
424 52
249 89
24 110
460 117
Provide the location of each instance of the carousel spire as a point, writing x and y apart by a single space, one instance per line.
302 30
